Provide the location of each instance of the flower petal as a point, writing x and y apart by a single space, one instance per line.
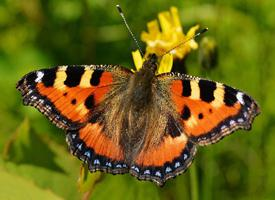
153 31
176 19
165 21
166 64
138 60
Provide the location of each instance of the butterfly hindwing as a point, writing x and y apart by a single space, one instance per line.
91 145
208 110
170 158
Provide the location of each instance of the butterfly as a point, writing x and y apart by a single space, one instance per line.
148 125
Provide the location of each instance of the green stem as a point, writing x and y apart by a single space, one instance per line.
194 182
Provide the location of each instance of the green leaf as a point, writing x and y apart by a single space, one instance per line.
125 187
63 184
46 163
14 187
27 147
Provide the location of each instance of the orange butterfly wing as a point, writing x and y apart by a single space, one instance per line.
69 96
167 160
91 145
209 110
66 94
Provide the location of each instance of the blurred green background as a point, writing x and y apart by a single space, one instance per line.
35 162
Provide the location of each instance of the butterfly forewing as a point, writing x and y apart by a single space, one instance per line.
66 94
209 110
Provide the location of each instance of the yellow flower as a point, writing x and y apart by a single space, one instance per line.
160 42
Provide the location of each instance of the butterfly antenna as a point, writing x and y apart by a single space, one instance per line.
128 28
185 41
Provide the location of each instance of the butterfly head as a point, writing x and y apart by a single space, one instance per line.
151 63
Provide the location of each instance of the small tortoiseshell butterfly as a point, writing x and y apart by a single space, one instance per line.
140 123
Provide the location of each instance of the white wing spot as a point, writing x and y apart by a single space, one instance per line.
135 168
158 174
168 169
41 101
177 164
73 136
185 156
33 97
240 120
88 154
232 122
39 76
147 171
48 108
79 146
96 162
240 97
